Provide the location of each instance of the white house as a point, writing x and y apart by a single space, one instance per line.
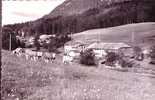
73 49
45 38
31 40
100 48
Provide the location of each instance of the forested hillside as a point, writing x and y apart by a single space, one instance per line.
75 16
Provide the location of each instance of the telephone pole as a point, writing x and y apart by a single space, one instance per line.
133 37
10 43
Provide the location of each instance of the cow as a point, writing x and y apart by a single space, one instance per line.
39 55
30 54
18 51
49 56
53 56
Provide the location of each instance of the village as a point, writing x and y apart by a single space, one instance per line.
78 50
115 55
85 63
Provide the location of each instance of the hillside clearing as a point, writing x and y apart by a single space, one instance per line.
28 80
142 32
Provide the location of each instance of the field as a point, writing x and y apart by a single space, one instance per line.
28 80
143 33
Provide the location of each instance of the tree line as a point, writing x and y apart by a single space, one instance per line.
100 17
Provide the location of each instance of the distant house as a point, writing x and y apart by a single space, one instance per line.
73 49
45 38
31 40
101 48
76 45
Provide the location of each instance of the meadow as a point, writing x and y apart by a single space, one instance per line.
28 80
143 34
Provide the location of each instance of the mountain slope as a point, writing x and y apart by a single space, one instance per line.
75 16
144 34
72 7
79 15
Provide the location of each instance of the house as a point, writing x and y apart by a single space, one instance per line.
74 46
31 40
45 38
73 49
100 48
69 49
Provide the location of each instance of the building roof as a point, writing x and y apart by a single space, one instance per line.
44 36
75 43
102 45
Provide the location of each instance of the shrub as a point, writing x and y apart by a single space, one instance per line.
111 58
138 55
36 42
126 62
152 54
88 57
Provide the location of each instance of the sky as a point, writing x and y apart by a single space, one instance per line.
22 11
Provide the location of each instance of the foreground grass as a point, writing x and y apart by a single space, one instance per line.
28 80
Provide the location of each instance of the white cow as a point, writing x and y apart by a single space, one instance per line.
39 54
49 56
53 56
18 51
30 54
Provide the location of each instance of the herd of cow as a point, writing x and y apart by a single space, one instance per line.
34 55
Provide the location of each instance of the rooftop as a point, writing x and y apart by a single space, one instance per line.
102 45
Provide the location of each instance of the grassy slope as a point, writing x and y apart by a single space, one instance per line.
119 34
40 81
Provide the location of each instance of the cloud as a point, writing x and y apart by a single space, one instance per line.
22 11
23 14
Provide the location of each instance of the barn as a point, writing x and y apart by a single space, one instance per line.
74 46
30 41
73 49
45 38
100 48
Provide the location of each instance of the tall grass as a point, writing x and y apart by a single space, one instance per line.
28 80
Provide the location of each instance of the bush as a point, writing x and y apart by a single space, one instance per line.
138 55
152 54
88 57
36 42
111 58
126 62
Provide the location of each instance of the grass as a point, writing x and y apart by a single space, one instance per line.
142 31
28 80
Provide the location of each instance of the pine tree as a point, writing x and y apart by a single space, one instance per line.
152 55
36 42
